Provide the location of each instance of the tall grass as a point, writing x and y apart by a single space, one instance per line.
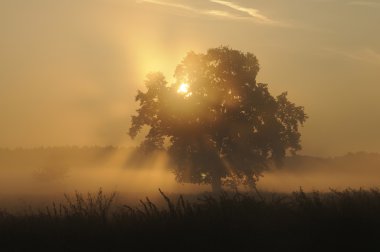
230 220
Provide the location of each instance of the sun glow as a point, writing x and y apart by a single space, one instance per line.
183 88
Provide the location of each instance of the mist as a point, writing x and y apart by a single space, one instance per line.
37 177
353 170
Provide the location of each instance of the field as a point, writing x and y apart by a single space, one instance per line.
36 214
236 221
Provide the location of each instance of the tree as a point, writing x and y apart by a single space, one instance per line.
217 124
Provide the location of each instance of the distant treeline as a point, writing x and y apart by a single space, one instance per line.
74 156
351 161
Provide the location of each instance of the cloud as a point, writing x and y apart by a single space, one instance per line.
249 14
219 13
253 13
174 5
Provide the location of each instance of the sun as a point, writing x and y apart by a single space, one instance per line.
183 88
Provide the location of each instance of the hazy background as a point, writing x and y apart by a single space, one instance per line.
69 69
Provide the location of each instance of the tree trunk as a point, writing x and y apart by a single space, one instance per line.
216 185
252 185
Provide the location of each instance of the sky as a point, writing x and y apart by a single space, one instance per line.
69 69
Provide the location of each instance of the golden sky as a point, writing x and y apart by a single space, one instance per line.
69 69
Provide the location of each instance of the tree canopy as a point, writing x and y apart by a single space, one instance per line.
217 124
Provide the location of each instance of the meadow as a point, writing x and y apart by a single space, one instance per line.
44 206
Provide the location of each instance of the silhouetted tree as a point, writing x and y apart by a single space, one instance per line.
215 121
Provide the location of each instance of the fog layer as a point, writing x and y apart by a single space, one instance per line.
31 176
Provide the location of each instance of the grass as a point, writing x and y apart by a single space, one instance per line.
236 221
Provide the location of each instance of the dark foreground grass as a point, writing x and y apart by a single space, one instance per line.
333 221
